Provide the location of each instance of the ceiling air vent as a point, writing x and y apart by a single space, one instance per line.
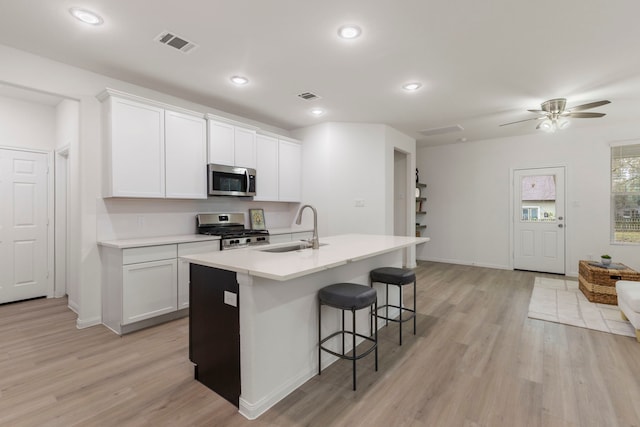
440 131
309 96
175 41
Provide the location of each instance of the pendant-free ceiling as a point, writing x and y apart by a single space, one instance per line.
553 115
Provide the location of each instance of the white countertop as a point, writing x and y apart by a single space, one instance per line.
159 240
338 250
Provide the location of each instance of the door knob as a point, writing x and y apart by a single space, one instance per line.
560 218
560 225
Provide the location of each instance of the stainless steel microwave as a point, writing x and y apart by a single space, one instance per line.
231 181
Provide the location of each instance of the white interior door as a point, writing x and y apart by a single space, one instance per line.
23 225
539 220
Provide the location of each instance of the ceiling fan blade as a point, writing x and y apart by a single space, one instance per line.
538 111
588 106
585 115
525 120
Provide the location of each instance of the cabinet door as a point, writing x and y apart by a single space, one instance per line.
186 156
290 171
149 289
221 145
245 147
267 165
136 150
183 266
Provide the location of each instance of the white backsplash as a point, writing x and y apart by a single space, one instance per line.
120 218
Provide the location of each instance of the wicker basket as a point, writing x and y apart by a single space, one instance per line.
599 284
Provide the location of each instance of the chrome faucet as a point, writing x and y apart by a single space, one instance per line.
315 243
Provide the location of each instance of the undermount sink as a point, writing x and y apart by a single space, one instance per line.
297 246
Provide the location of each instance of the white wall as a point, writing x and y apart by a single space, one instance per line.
25 70
469 188
348 162
67 142
27 124
342 163
133 218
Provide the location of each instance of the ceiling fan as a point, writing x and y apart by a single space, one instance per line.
553 114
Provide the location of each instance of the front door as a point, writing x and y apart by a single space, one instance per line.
23 225
539 220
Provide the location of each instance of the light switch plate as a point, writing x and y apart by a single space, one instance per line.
230 298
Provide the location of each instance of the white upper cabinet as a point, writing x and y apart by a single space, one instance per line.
266 168
186 156
231 145
245 148
221 143
153 150
136 149
289 171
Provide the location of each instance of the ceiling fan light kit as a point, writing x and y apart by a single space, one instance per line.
550 125
554 116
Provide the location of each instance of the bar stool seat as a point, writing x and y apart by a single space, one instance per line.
397 277
352 297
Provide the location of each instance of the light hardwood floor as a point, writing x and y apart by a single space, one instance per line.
477 360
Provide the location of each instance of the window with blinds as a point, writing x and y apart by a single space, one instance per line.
625 194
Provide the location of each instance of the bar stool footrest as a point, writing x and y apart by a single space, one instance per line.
393 319
344 356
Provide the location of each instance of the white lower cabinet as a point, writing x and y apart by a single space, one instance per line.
146 285
183 266
149 289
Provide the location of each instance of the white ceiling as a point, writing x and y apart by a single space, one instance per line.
482 63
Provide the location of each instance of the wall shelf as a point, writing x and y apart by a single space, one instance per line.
421 199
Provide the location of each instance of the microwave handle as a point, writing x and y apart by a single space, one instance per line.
246 174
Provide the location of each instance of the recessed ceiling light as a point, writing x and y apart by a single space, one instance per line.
239 80
349 32
86 16
412 87
317 112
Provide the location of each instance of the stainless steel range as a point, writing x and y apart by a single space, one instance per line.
230 228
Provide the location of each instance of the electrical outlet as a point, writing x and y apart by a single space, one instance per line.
359 203
231 298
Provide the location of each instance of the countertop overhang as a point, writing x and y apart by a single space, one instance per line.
337 250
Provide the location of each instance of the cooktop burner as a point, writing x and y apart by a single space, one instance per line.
230 228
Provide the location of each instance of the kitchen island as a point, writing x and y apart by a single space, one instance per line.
253 315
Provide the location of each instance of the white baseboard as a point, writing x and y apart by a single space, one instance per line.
476 264
252 411
472 263
86 323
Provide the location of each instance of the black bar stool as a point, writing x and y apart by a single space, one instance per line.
347 296
397 277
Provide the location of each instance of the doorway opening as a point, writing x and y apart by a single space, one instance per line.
400 193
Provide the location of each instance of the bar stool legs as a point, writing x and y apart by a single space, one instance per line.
398 277
347 297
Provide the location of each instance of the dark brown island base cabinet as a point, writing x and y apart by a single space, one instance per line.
214 330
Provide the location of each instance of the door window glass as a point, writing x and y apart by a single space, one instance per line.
538 198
